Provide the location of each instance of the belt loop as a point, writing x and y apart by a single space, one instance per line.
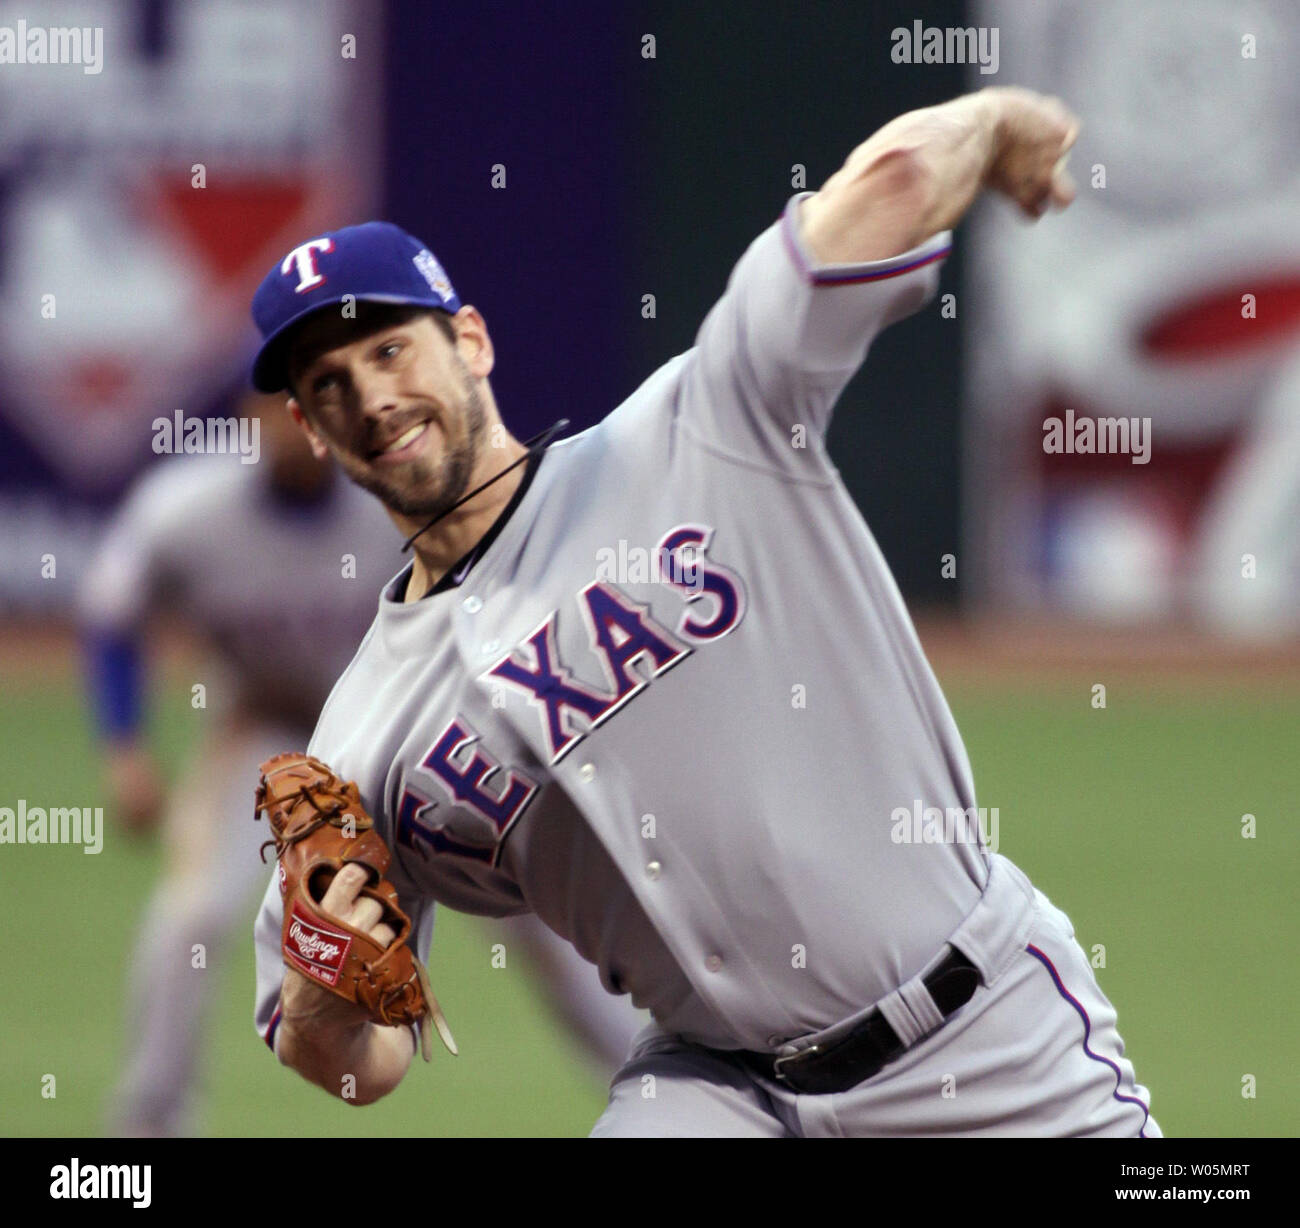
911 1011
997 928
991 936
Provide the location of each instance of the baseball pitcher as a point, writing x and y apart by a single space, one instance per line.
655 685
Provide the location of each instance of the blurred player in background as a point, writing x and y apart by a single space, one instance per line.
274 565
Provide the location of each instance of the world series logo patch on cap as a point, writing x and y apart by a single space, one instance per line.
433 272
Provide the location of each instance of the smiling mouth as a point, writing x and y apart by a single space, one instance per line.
402 444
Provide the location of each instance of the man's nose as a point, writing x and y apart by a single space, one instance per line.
375 396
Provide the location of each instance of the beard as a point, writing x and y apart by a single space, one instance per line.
427 489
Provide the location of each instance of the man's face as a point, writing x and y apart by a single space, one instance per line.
396 405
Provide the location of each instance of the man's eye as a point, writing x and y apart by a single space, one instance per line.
389 348
324 384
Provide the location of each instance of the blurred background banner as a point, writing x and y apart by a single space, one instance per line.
141 201
588 191
576 181
1169 296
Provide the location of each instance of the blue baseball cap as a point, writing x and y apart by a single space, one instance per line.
374 262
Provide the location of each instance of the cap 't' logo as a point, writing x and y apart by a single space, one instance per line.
303 260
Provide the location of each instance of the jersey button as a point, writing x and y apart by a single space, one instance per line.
588 772
491 648
713 963
472 604
653 869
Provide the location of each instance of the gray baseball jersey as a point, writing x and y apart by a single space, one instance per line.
675 705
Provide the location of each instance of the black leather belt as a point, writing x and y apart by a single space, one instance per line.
872 1044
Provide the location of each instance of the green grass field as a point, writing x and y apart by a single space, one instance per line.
1129 818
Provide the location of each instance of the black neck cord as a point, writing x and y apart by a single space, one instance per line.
537 443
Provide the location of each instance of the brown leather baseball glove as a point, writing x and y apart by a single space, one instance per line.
318 826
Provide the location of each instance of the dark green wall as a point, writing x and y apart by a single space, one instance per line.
737 94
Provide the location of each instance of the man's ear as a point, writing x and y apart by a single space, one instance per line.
473 342
318 448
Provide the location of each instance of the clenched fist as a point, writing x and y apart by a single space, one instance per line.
1032 135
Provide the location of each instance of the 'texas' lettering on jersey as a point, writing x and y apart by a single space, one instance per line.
621 632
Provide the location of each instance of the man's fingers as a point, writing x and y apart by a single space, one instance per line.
344 900
1056 189
1063 189
1062 183
344 889
365 913
1038 135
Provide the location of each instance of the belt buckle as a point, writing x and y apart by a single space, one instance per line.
779 1063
